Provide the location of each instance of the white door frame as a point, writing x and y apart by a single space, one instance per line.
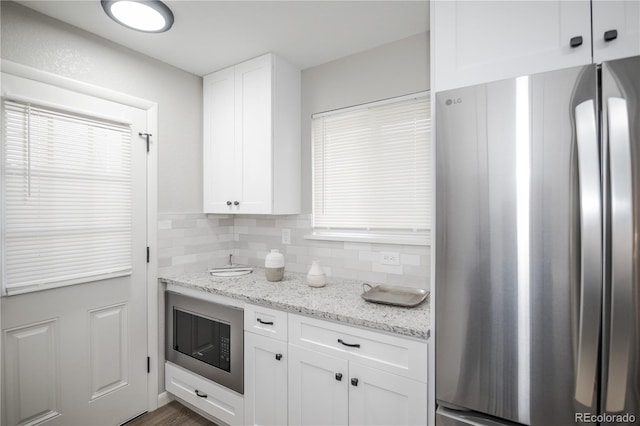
9 67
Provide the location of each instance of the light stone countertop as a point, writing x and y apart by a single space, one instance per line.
339 300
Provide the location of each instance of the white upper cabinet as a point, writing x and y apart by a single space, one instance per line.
251 136
480 41
616 29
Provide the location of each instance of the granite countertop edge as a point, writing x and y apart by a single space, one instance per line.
394 317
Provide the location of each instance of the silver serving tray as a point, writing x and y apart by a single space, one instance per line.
394 295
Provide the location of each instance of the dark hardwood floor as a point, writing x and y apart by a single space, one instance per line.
173 413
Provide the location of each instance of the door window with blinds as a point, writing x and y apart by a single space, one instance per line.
371 170
66 198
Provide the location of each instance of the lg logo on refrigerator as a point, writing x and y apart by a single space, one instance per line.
456 101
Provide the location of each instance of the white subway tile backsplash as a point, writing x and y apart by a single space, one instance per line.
358 265
368 256
171 270
257 246
345 273
243 221
238 229
189 242
389 269
297 267
372 277
196 267
304 259
349 245
183 223
418 271
194 242
184 259
320 252
168 252
344 254
409 259
297 250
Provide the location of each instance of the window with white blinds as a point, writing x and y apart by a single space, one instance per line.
66 198
371 169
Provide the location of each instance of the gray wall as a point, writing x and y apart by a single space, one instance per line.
32 39
393 69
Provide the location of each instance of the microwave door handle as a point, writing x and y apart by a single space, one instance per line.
620 338
590 252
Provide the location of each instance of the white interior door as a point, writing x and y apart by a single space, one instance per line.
77 354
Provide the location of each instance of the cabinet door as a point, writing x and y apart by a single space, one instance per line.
380 398
480 41
265 364
219 164
254 134
616 29
318 389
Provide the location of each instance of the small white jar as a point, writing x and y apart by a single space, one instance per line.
316 276
274 265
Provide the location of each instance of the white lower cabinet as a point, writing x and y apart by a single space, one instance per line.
204 394
300 370
318 390
380 398
325 390
342 375
265 391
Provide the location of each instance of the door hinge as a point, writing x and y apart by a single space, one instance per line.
145 135
148 254
148 365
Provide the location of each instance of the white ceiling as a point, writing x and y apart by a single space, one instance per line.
210 35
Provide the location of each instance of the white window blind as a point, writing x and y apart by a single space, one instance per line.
371 168
66 198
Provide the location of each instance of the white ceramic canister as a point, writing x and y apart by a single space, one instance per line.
316 276
274 265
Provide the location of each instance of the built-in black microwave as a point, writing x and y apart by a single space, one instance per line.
206 338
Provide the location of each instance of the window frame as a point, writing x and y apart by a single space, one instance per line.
50 135
420 238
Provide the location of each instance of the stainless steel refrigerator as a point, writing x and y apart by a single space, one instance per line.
538 249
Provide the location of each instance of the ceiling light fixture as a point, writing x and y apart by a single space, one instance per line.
149 16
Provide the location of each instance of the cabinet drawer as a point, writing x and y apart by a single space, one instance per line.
390 353
266 322
211 398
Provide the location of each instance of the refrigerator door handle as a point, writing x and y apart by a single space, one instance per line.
620 338
590 252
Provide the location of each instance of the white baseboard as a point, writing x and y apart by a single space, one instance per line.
164 398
